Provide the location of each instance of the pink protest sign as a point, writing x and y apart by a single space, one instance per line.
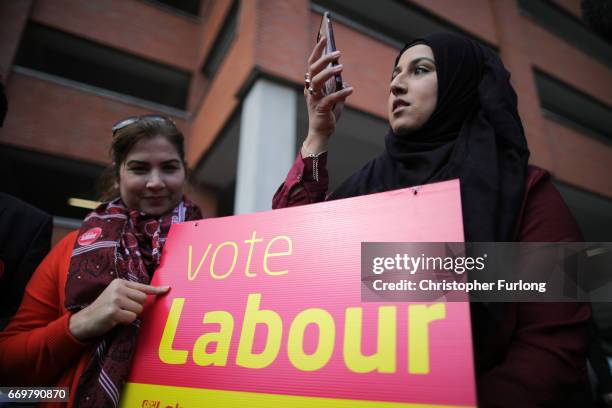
265 310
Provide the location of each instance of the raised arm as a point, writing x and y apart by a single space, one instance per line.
307 181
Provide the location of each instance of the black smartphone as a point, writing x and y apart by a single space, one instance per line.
335 83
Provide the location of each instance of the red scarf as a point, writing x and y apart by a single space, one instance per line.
115 242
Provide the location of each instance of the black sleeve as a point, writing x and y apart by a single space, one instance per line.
25 239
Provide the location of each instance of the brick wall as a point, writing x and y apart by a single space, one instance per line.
220 100
276 37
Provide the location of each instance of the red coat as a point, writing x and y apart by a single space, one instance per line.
36 348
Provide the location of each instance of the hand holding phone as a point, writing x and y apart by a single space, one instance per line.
324 90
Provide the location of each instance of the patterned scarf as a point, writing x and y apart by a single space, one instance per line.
115 242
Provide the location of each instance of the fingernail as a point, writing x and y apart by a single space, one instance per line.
339 66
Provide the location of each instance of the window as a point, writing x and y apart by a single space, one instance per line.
64 55
47 181
217 168
592 212
565 25
573 108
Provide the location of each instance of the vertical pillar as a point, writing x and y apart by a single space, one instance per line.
267 144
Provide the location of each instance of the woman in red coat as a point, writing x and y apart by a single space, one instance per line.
78 321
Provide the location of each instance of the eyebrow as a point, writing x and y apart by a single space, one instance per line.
413 63
141 162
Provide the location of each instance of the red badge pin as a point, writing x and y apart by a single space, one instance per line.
90 236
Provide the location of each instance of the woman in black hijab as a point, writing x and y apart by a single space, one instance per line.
481 144
453 114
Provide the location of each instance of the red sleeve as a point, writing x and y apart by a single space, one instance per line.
304 184
37 346
546 360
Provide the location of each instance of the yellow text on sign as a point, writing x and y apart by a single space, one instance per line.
279 246
384 360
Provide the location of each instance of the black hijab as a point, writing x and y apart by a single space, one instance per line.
474 134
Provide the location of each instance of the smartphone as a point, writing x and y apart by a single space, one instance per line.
333 84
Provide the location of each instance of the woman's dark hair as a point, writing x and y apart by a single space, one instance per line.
124 138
